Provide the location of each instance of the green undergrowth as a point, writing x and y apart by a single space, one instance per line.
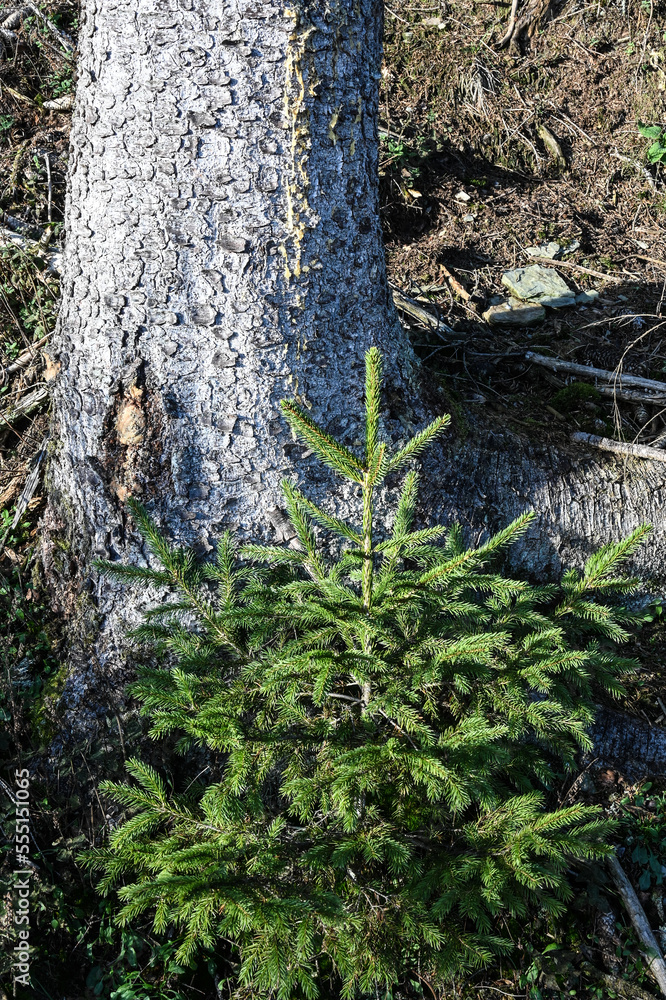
28 299
380 733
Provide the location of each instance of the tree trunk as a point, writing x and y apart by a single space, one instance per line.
224 251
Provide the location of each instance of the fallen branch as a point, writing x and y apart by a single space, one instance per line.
28 490
23 359
620 447
640 922
418 312
64 39
25 405
570 368
629 396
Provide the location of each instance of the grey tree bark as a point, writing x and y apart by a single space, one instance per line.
224 251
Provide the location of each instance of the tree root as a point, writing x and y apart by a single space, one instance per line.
628 744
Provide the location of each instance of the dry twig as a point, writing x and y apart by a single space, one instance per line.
617 378
577 267
639 921
620 447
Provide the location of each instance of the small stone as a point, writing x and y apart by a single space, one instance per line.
514 313
469 218
462 196
585 298
551 250
539 284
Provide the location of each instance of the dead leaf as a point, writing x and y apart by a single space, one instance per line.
51 368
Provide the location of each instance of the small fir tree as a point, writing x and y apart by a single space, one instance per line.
388 722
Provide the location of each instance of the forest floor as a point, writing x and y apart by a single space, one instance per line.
486 149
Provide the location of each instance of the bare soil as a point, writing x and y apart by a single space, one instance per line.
464 117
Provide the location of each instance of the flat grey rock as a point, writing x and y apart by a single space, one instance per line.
514 313
585 298
552 250
538 284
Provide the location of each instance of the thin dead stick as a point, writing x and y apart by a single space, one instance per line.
60 35
418 312
570 368
619 447
455 284
512 24
640 922
577 267
47 160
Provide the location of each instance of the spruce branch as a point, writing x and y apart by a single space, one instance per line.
373 386
330 451
380 718
417 445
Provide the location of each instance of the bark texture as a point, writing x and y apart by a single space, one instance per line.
582 498
224 251
627 743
